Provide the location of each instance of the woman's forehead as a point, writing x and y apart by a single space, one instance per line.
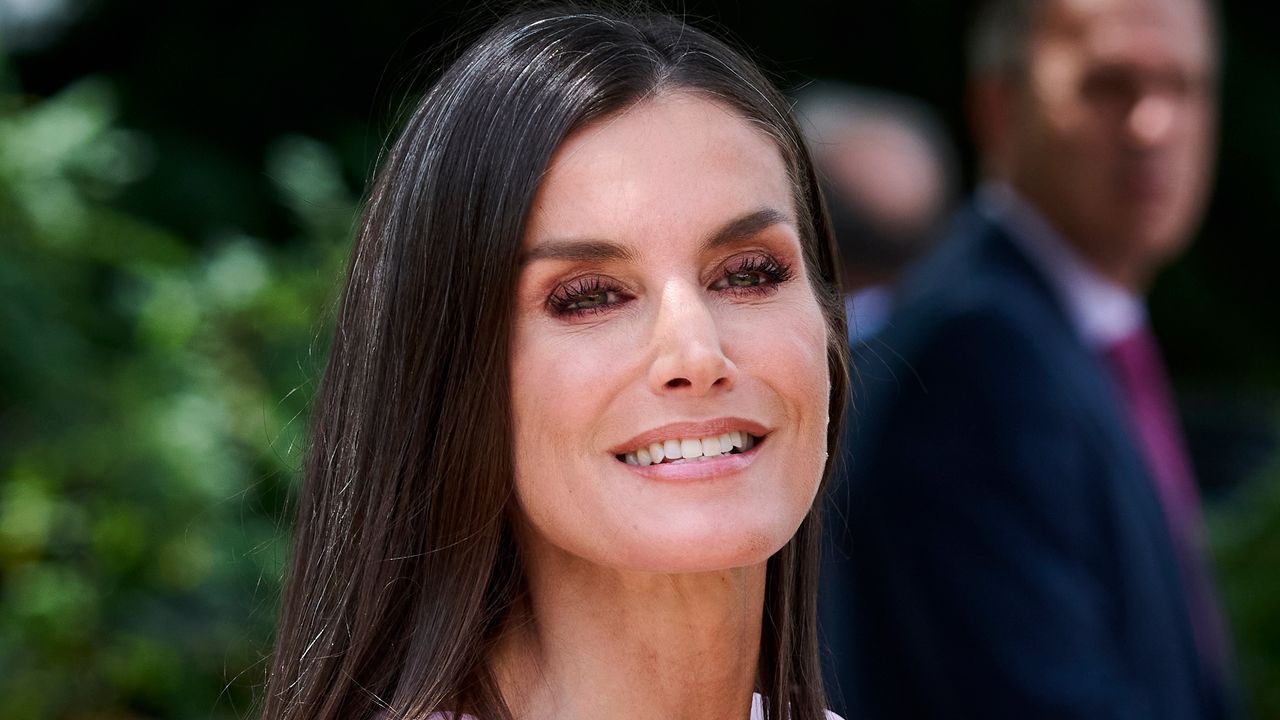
676 161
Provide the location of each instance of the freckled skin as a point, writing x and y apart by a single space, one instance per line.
657 180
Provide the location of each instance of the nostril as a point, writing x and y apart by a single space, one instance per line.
678 382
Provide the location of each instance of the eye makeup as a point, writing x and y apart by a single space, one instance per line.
751 274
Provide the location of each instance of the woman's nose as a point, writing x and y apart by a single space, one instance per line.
689 358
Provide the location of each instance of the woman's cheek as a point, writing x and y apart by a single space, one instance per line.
788 342
562 374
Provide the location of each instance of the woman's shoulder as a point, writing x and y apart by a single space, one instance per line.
757 712
757 709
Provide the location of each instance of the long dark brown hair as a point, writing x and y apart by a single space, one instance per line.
404 564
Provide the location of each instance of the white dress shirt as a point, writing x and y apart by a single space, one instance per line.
1102 312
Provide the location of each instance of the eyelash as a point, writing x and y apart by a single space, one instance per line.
770 272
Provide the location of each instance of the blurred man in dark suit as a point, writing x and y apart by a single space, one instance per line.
1021 530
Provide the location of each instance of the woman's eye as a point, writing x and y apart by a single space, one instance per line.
758 273
587 301
745 279
583 297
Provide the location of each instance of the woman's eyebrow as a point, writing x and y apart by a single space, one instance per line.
745 226
577 251
739 228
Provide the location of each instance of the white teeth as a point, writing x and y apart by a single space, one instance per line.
689 449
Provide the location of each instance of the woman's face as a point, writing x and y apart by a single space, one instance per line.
669 371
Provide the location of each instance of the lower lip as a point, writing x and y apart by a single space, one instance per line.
716 467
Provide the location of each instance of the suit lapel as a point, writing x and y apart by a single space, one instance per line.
1095 386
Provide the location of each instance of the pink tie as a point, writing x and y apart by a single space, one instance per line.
1136 365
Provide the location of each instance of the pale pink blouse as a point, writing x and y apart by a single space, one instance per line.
757 712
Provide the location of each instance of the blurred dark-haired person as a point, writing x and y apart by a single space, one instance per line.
888 171
1024 527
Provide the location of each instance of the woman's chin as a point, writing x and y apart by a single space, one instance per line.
660 529
691 552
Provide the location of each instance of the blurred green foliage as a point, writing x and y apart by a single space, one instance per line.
151 397
1245 535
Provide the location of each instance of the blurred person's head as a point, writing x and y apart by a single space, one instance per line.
1102 114
888 172
597 236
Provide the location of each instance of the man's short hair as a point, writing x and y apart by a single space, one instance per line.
1000 33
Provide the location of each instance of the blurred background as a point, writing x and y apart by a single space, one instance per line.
178 190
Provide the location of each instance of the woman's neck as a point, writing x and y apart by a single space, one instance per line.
596 642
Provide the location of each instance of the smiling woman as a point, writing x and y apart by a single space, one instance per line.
585 385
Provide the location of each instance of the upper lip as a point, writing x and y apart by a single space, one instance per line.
690 429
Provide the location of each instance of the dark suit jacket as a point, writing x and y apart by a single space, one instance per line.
996 546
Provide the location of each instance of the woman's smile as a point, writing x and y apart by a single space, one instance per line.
690 451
